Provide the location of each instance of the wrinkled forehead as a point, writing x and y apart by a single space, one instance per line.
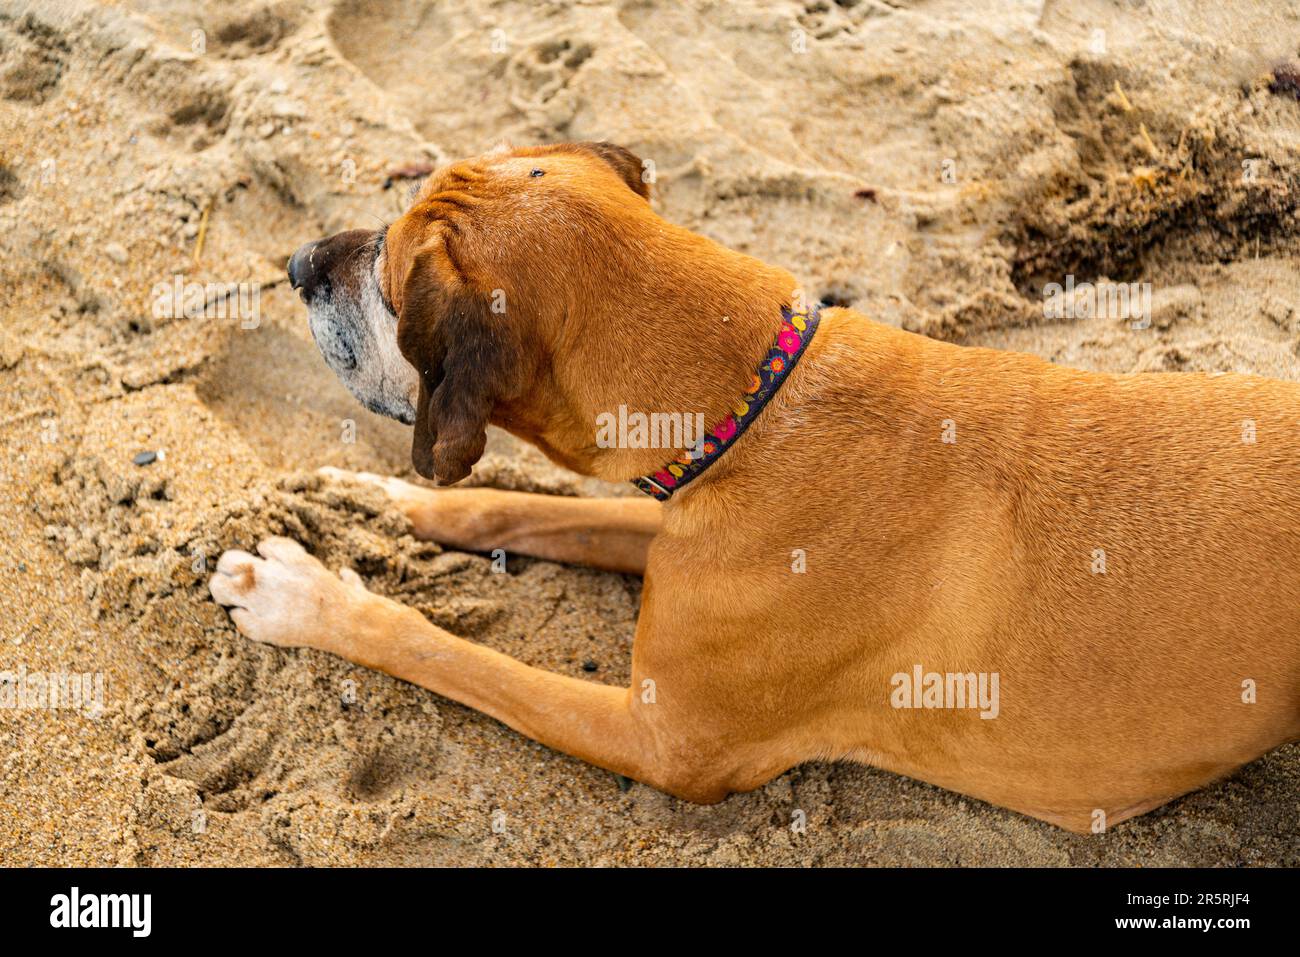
499 174
505 167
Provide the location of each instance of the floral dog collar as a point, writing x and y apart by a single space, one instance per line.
797 330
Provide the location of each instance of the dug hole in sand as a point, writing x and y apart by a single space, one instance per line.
934 164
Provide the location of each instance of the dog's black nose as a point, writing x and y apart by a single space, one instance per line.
305 271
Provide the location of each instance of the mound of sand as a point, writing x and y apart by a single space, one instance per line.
932 163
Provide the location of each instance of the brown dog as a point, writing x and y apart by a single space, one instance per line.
908 529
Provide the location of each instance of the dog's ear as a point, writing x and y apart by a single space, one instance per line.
624 162
468 358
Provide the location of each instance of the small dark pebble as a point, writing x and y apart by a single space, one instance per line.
589 665
1286 79
145 458
867 193
22 566
624 783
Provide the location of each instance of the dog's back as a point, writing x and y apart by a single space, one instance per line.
1121 551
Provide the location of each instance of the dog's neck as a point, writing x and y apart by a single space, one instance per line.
708 445
683 335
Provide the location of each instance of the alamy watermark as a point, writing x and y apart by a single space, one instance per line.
1099 300
24 690
182 299
934 689
649 430
74 909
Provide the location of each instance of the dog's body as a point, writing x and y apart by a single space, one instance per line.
1121 553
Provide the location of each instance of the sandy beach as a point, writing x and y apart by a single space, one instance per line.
933 163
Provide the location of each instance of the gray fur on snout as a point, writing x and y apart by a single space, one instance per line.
353 318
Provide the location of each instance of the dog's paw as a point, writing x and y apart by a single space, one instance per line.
286 597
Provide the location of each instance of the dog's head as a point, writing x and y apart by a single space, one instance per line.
445 319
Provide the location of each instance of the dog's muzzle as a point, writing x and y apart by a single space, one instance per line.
353 327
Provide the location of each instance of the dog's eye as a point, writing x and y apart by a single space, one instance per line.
538 172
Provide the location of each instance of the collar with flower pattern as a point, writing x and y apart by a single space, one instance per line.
796 332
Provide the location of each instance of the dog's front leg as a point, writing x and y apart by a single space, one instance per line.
286 597
613 534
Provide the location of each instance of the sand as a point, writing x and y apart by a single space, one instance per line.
933 164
